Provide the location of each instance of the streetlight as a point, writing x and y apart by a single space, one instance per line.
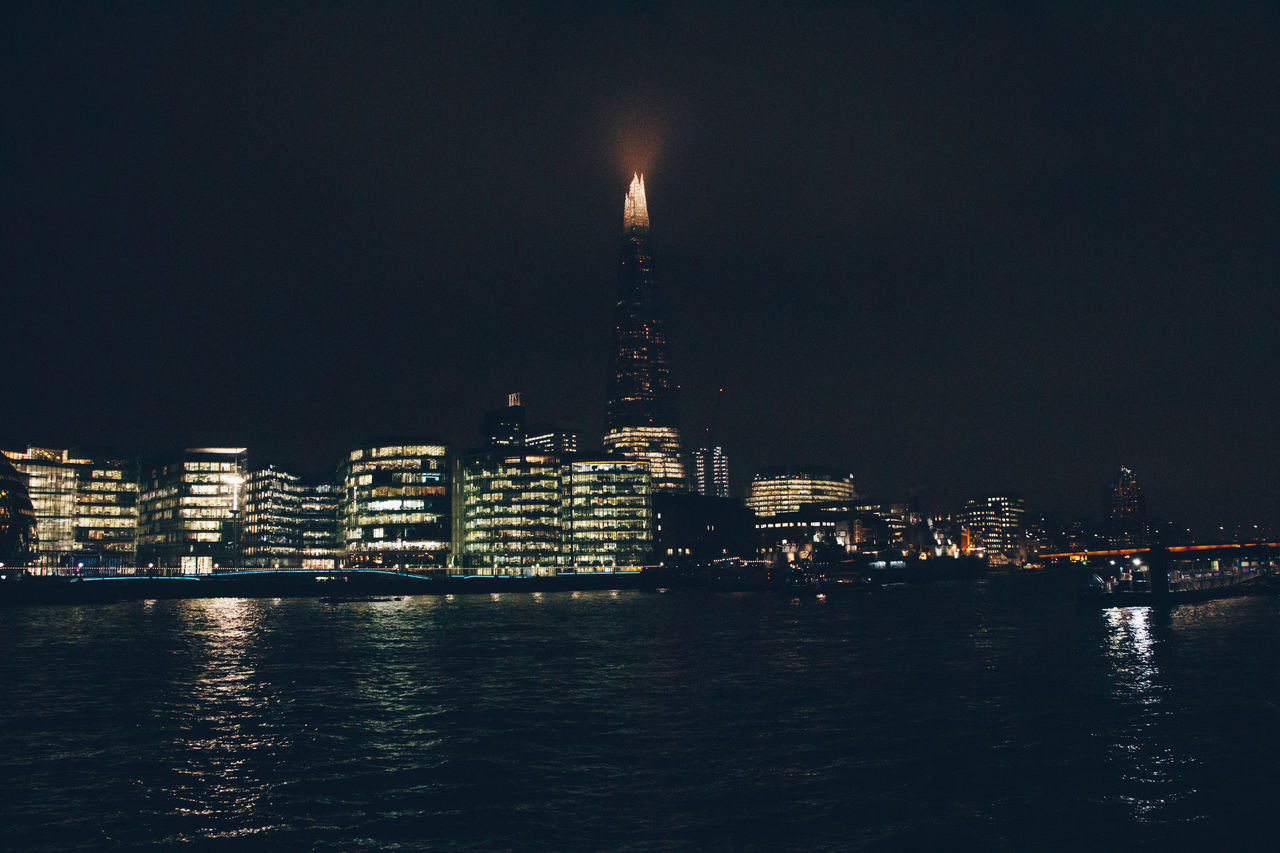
235 481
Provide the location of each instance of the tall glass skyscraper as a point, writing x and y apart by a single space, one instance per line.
641 419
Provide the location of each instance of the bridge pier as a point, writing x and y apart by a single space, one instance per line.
1158 571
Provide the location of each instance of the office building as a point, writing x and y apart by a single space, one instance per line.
85 504
395 510
189 509
995 527
17 517
505 427
779 490
1127 516
510 509
607 513
711 471
641 415
561 442
320 543
271 520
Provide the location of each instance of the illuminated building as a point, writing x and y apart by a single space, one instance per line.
17 517
86 507
559 441
995 527
711 471
320 545
607 514
395 509
287 523
271 520
189 508
641 415
1127 518
803 535
510 509
774 491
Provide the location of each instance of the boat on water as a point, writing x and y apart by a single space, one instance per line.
1136 589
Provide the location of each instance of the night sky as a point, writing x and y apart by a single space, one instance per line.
950 250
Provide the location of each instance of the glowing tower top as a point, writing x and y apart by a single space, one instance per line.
641 418
635 211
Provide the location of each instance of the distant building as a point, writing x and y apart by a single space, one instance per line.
86 506
505 427
779 490
562 442
189 508
641 416
995 527
608 513
395 509
1127 519
807 534
711 471
510 509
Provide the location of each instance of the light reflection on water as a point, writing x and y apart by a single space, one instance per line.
953 717
225 739
1149 766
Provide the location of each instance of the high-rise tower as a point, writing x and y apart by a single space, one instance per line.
641 419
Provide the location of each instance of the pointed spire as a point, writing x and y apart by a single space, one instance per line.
635 209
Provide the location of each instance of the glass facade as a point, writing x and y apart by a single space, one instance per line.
189 509
86 508
321 544
608 514
289 524
271 521
510 509
779 491
395 510
641 414
17 517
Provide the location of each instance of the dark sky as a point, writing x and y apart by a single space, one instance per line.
1007 247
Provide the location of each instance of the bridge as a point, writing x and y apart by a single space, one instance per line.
1158 558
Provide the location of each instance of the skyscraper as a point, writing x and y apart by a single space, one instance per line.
711 470
641 419
1127 526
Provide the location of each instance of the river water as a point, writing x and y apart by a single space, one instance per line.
972 715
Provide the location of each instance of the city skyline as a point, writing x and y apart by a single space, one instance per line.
1006 264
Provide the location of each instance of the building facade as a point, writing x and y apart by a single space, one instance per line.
17 517
561 442
781 490
189 509
272 519
995 525
608 514
320 544
641 415
395 510
711 471
510 509
1127 517
86 506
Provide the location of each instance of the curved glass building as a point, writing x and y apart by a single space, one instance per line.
17 516
778 490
